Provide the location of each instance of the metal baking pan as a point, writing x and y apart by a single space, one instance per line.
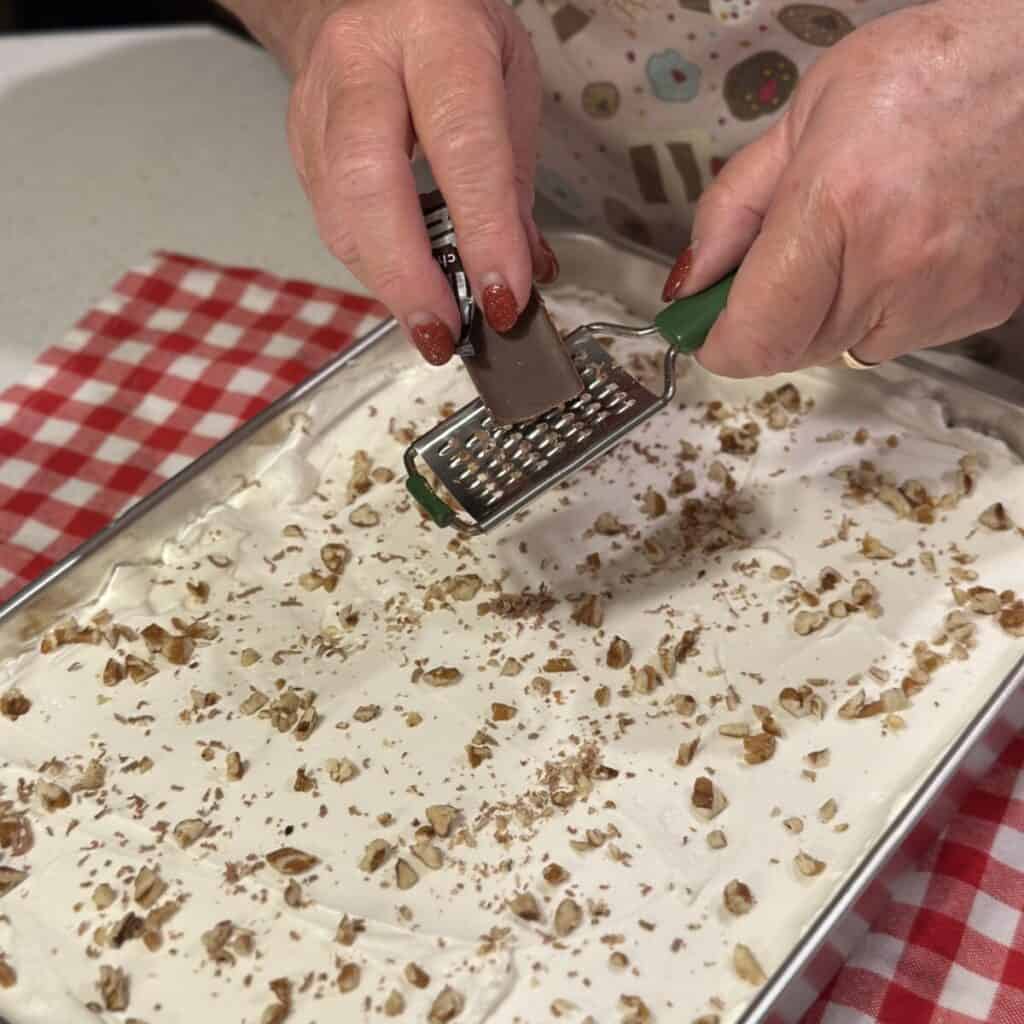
973 395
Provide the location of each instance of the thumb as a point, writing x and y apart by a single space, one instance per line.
729 214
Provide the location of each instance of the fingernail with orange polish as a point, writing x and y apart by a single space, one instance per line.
500 306
432 337
680 272
548 270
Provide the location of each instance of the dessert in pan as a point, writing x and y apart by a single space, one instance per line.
327 762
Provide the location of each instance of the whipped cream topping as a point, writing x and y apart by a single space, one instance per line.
327 665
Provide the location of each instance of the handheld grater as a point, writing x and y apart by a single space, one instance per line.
494 471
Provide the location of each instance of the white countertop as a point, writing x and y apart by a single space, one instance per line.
118 143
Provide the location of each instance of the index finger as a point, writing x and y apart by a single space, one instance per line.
459 107
369 212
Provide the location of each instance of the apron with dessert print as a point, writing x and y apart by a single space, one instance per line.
644 100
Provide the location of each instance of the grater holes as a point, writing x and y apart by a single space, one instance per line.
578 432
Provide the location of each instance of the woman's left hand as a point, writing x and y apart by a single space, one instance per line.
884 212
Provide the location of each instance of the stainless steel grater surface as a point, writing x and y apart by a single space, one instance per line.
494 471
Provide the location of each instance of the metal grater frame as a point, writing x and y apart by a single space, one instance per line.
494 471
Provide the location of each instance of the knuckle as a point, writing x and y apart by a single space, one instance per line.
340 244
998 299
768 350
717 198
354 173
390 282
842 196
759 351
770 354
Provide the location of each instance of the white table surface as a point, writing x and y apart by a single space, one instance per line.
118 143
113 144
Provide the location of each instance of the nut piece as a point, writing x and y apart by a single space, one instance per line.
654 504
828 810
567 917
366 712
687 751
619 653
341 769
364 515
52 797
349 929
188 831
853 707
734 730
405 874
502 712
8 975
464 587
276 1013
805 623
872 547
113 672
447 1006
253 703
738 898
589 612
995 517
335 557
103 896
1011 618
114 988
394 1005
803 702
758 749
149 887
746 966
443 676
561 664
807 865
441 818
717 840
608 525
416 976
429 854
349 977
645 679
14 704
555 874
289 861
707 799
377 851
524 905
249 657
635 1009
234 766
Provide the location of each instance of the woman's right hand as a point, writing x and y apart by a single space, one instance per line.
460 79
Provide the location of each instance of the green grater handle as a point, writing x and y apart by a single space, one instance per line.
428 500
685 323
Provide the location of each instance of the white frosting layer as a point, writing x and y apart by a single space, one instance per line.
653 890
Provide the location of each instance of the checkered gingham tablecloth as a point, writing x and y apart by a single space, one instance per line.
183 351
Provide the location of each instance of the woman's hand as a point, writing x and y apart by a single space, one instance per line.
885 211
460 79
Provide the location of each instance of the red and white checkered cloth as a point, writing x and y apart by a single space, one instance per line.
183 351
180 354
